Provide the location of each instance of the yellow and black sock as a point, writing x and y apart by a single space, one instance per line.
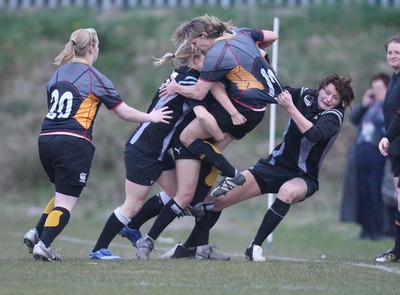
55 223
46 212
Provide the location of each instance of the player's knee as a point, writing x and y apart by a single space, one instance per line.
184 199
288 196
186 138
219 137
130 208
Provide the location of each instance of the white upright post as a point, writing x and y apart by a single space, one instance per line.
272 117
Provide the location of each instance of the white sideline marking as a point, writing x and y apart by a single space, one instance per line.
380 267
365 265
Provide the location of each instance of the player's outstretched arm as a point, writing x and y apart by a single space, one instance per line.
130 114
197 91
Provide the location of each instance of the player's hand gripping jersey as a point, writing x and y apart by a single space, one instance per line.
74 95
306 151
236 61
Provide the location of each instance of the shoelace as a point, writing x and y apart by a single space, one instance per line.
225 184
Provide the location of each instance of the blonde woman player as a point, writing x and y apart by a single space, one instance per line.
147 157
75 94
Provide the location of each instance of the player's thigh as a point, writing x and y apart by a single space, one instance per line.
222 144
193 131
187 173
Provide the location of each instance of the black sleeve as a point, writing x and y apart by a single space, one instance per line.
394 128
357 114
314 134
326 126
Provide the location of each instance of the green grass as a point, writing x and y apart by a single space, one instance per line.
294 264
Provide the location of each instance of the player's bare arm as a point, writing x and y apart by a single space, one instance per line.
269 37
197 91
130 114
219 92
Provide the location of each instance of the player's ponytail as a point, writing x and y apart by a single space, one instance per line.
78 44
182 57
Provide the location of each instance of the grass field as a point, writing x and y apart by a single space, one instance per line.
311 253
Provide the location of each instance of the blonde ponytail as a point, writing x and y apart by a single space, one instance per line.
183 56
78 44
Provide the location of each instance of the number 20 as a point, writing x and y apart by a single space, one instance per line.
57 105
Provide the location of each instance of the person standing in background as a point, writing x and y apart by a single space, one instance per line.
369 161
390 143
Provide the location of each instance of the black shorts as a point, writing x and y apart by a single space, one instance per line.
225 122
180 151
270 178
67 161
144 169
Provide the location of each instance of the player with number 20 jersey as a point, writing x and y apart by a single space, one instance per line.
75 93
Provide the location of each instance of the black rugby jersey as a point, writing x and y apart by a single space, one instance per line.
74 95
391 113
236 61
391 104
304 153
154 138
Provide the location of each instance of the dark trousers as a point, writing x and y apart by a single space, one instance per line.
369 168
